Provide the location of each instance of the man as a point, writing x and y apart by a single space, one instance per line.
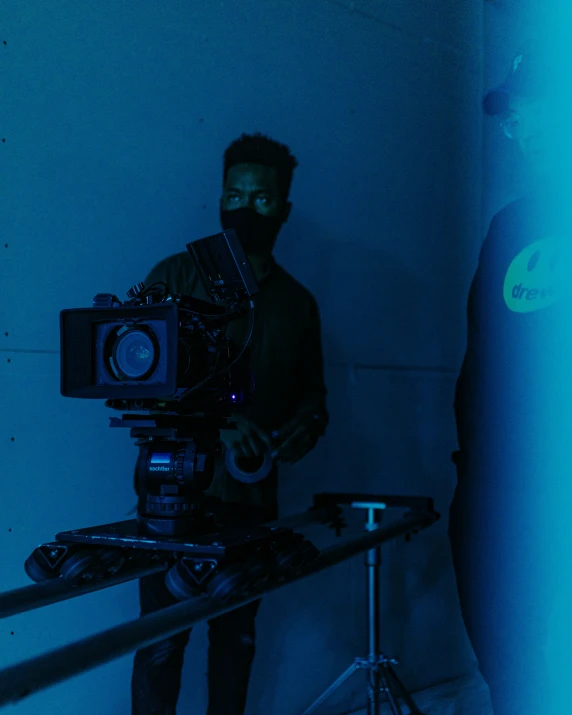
507 396
287 415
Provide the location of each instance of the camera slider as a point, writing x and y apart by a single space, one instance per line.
220 564
277 556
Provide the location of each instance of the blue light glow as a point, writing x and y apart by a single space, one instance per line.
160 458
554 531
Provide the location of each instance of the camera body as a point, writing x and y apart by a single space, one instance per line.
165 351
168 354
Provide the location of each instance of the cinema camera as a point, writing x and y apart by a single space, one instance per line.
166 361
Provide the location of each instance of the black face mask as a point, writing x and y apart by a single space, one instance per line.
256 233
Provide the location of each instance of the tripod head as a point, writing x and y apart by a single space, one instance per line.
175 466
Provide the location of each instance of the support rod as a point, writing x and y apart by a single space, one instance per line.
39 595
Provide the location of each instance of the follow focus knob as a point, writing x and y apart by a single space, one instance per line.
135 290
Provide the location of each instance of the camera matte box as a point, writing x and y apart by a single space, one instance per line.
83 359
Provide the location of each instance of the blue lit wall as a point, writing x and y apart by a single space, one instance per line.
115 116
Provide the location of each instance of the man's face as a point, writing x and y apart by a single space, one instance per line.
253 205
540 128
255 187
527 119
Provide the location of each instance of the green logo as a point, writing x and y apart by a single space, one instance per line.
532 279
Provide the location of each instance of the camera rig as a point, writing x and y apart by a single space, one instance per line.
165 359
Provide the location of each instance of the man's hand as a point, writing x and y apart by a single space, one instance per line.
247 440
296 439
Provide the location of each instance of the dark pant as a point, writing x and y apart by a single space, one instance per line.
156 679
503 580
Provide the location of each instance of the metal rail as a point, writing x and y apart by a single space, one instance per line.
31 676
39 595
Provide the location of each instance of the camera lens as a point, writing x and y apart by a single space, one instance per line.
134 354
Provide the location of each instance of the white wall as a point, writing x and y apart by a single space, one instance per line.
115 116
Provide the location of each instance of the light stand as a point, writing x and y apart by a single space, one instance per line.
381 677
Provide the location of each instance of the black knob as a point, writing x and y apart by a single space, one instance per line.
135 290
106 300
180 466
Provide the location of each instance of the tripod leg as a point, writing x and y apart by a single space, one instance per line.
400 690
333 687
375 680
387 686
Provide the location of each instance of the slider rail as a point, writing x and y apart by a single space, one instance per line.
43 594
31 676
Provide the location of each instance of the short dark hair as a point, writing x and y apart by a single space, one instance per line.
259 149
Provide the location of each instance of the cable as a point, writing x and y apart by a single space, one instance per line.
214 374
146 290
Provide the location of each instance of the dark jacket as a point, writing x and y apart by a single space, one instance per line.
285 358
515 301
